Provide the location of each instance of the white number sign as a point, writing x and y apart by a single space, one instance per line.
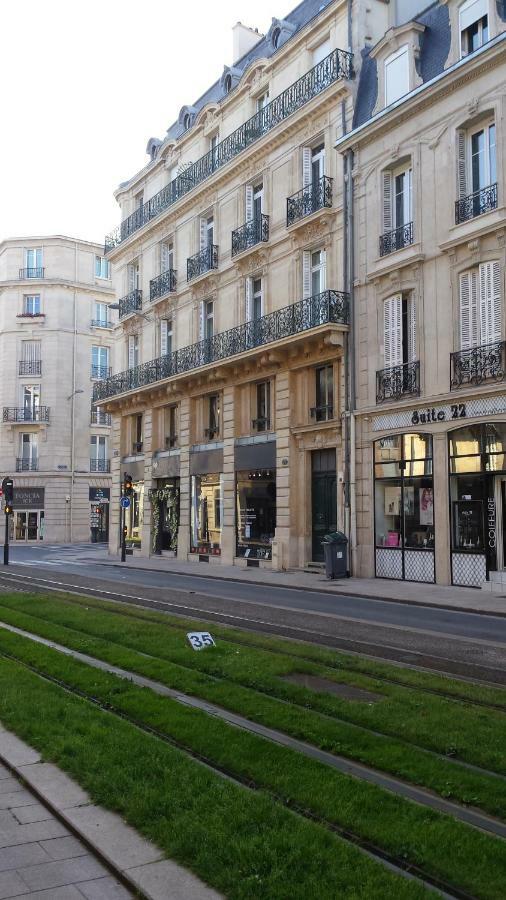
199 640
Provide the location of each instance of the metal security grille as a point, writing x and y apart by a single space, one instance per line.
419 566
389 563
469 569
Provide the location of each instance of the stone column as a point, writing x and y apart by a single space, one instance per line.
228 527
183 538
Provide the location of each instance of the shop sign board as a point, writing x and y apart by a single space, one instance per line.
433 415
99 495
28 498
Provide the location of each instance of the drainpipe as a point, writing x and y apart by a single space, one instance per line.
349 423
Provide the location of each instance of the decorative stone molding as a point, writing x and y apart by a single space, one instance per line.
253 262
205 287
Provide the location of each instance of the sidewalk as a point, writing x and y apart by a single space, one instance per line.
454 598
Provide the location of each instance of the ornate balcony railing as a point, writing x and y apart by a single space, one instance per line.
249 234
101 323
28 414
396 239
475 204
100 465
162 284
100 371
27 465
398 381
202 262
130 303
98 417
329 307
31 272
478 364
30 367
336 65
311 198
322 413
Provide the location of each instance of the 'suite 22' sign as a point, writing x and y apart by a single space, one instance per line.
433 414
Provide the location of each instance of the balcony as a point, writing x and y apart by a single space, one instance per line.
37 272
476 204
315 196
478 364
27 465
100 465
100 371
203 261
335 66
98 417
35 415
396 239
137 447
250 234
329 307
171 442
101 323
30 367
163 284
397 382
130 303
261 424
322 413
211 434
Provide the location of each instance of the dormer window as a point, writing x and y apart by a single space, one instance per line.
275 37
473 25
396 75
228 84
187 121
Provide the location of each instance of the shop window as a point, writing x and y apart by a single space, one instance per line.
206 514
473 25
256 513
134 515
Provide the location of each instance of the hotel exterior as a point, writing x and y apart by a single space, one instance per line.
55 343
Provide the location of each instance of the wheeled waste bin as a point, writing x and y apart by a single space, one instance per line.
335 551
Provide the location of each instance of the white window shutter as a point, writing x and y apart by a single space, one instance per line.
203 234
163 337
411 329
131 279
468 288
392 328
306 166
408 197
164 256
131 351
387 202
249 299
201 320
490 302
248 202
306 274
461 164
323 278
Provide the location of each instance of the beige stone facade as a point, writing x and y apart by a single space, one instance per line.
55 342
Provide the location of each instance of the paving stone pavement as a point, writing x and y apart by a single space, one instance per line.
40 858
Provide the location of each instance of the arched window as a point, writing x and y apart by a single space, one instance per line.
228 84
187 120
276 34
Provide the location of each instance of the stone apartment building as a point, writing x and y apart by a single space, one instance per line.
55 343
428 240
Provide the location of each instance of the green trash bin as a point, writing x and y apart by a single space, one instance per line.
335 552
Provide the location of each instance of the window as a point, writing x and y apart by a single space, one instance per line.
473 25
137 433
166 256
254 299
30 362
133 351
133 275
397 208
33 262
165 337
483 158
30 402
313 165
313 272
276 34
101 314
324 393
262 101
99 362
396 76
28 451
213 429
476 172
213 147
206 513
321 51
206 232
207 330
102 267
263 406
139 200
170 426
480 305
98 453
31 305
228 84
255 513
399 330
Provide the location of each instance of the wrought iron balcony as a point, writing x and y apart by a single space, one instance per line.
130 303
100 465
100 371
203 261
398 381
322 413
163 284
101 323
315 196
475 204
27 465
335 66
478 364
30 367
261 424
31 272
26 414
249 234
329 307
211 433
98 417
396 239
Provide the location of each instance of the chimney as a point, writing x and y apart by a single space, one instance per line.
244 39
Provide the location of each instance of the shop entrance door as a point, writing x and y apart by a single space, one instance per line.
27 525
324 498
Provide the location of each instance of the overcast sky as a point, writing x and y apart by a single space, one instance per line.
83 88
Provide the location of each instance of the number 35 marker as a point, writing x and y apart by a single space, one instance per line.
199 640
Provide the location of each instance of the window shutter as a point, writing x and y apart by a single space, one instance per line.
468 284
461 164
411 329
132 278
408 197
203 234
131 351
201 320
164 257
306 166
163 337
249 299
490 302
306 274
392 329
248 203
387 202
323 279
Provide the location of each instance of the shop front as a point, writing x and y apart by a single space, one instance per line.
206 521
255 513
27 523
134 516
99 499
164 499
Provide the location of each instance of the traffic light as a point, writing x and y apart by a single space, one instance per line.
8 510
8 492
128 485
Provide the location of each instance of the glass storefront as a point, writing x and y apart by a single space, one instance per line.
206 514
164 501
134 515
255 513
404 507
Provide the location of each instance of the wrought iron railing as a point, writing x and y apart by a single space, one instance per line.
98 417
26 414
31 272
27 465
137 447
478 364
162 284
396 239
130 303
170 441
261 424
30 367
322 413
100 465
475 204
398 381
336 65
211 433
100 371
249 234
329 307
101 323
311 198
203 261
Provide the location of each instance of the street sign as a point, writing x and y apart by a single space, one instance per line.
199 640
125 502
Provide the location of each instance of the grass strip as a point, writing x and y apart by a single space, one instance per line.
243 844
472 735
442 847
446 778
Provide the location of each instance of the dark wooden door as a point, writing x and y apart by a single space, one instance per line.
324 498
